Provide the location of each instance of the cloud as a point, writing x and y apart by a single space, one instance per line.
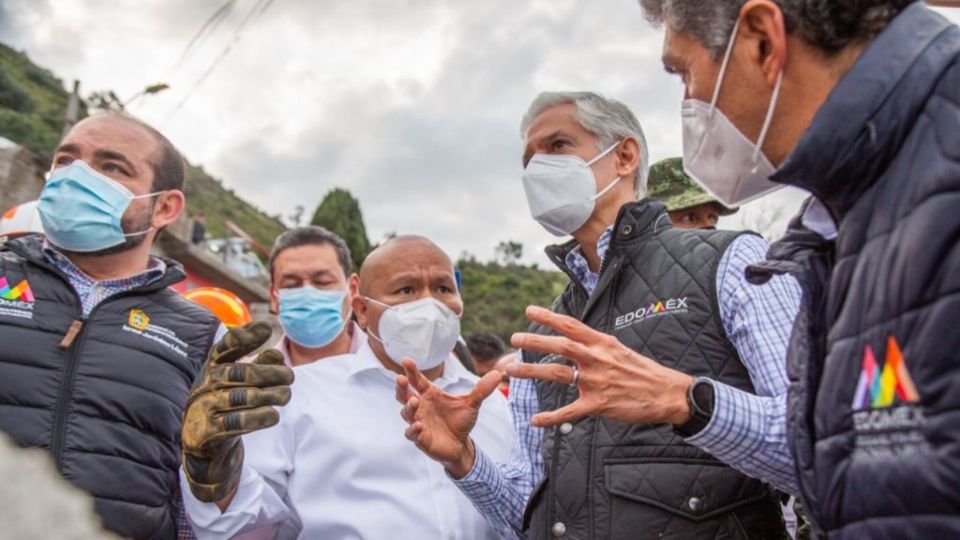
412 105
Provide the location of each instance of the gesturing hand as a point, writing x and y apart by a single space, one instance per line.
614 382
228 400
440 423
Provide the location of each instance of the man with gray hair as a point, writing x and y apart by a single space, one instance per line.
856 102
679 296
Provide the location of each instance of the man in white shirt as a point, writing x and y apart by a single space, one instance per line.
312 287
337 466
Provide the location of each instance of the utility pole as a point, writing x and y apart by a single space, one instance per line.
73 106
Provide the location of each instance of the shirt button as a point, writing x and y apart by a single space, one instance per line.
558 529
565 429
695 504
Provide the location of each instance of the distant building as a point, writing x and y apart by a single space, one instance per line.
19 179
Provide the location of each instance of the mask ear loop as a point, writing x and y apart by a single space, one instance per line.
766 121
606 189
723 68
150 228
604 153
369 329
598 158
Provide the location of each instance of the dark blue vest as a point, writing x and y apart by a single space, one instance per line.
874 362
106 398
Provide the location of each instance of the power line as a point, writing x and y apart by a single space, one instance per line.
258 10
207 29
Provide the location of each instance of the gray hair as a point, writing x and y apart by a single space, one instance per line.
608 119
828 25
311 235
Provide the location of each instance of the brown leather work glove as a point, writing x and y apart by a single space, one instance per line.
228 400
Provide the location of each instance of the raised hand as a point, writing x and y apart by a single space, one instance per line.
228 400
440 423
614 381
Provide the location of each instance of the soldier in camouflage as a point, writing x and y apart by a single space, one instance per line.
689 205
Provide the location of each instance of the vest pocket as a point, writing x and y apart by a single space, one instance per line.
690 498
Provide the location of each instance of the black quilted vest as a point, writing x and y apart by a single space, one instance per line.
604 479
874 360
108 404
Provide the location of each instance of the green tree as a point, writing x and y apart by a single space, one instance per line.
495 295
509 252
340 213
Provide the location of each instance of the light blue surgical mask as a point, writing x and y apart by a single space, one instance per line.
311 317
81 209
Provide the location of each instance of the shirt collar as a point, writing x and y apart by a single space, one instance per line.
156 267
357 339
817 218
577 263
365 360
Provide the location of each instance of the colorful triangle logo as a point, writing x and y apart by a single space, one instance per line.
20 292
878 386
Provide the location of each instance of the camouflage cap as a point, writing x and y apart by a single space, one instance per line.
671 185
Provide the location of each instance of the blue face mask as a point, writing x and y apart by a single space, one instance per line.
311 317
81 209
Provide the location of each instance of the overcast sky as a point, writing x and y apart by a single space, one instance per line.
412 105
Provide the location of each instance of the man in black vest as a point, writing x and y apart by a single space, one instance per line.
867 122
677 296
98 352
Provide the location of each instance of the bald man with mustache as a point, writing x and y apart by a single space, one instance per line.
337 465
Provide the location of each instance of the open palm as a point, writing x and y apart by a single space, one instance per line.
440 423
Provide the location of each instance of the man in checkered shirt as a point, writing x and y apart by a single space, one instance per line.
678 297
99 352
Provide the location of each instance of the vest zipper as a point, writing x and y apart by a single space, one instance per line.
64 401
76 331
74 340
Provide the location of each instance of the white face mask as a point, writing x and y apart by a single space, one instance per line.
730 166
425 330
562 190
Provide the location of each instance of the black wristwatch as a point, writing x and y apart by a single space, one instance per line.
700 398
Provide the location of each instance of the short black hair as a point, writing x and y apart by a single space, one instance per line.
311 235
486 347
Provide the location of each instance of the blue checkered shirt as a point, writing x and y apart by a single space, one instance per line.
747 431
92 293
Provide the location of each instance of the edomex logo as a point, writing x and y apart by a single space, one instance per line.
668 306
879 385
20 292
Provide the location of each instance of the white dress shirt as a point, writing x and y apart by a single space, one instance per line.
337 465
357 339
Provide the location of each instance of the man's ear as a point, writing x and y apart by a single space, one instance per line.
763 25
359 306
274 303
353 285
353 293
169 206
628 157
